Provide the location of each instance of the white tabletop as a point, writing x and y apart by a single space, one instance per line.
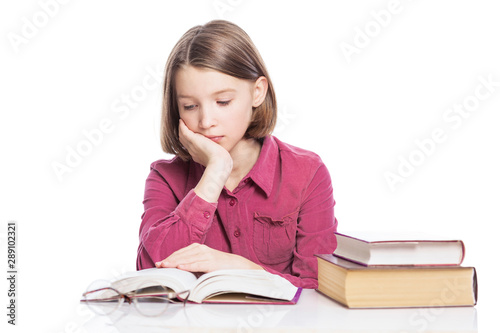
313 313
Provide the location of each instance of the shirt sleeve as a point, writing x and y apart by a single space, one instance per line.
316 225
169 224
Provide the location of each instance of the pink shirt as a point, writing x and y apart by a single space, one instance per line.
279 215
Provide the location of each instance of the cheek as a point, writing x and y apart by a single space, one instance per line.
189 120
238 120
190 126
242 113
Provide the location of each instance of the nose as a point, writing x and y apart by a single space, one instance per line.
207 118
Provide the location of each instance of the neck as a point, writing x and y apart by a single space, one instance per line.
245 154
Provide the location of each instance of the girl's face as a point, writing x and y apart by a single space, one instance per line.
217 105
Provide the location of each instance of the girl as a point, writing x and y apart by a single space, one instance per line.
233 196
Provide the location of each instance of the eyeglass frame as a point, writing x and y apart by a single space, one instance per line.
130 297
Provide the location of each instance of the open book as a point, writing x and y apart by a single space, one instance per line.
223 286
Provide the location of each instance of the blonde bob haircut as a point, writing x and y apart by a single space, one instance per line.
222 46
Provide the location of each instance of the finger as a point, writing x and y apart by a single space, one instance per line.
198 266
186 251
211 260
184 133
184 255
182 127
179 262
193 142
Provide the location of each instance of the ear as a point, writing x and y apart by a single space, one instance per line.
259 91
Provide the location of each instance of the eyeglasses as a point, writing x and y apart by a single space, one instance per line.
149 301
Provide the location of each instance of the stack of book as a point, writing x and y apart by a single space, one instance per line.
371 271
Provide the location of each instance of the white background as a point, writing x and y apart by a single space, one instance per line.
362 114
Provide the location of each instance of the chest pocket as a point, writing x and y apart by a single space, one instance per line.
274 239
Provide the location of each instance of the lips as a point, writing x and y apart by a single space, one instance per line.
214 138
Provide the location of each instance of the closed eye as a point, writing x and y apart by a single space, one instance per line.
223 103
189 107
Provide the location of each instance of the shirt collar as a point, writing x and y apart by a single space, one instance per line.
262 172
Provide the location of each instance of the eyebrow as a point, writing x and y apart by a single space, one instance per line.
213 94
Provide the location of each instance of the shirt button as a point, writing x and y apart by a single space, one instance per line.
246 180
237 233
232 202
206 215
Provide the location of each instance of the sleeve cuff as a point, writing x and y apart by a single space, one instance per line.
195 211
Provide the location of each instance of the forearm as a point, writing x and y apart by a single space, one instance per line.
213 180
172 219
163 232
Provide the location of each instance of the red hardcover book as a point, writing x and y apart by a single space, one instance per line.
358 286
378 249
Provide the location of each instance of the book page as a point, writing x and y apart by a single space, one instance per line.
172 278
256 282
383 236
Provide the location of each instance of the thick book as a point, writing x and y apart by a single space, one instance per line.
398 249
358 286
222 286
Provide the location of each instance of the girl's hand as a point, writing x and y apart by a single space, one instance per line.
202 149
201 258
215 158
